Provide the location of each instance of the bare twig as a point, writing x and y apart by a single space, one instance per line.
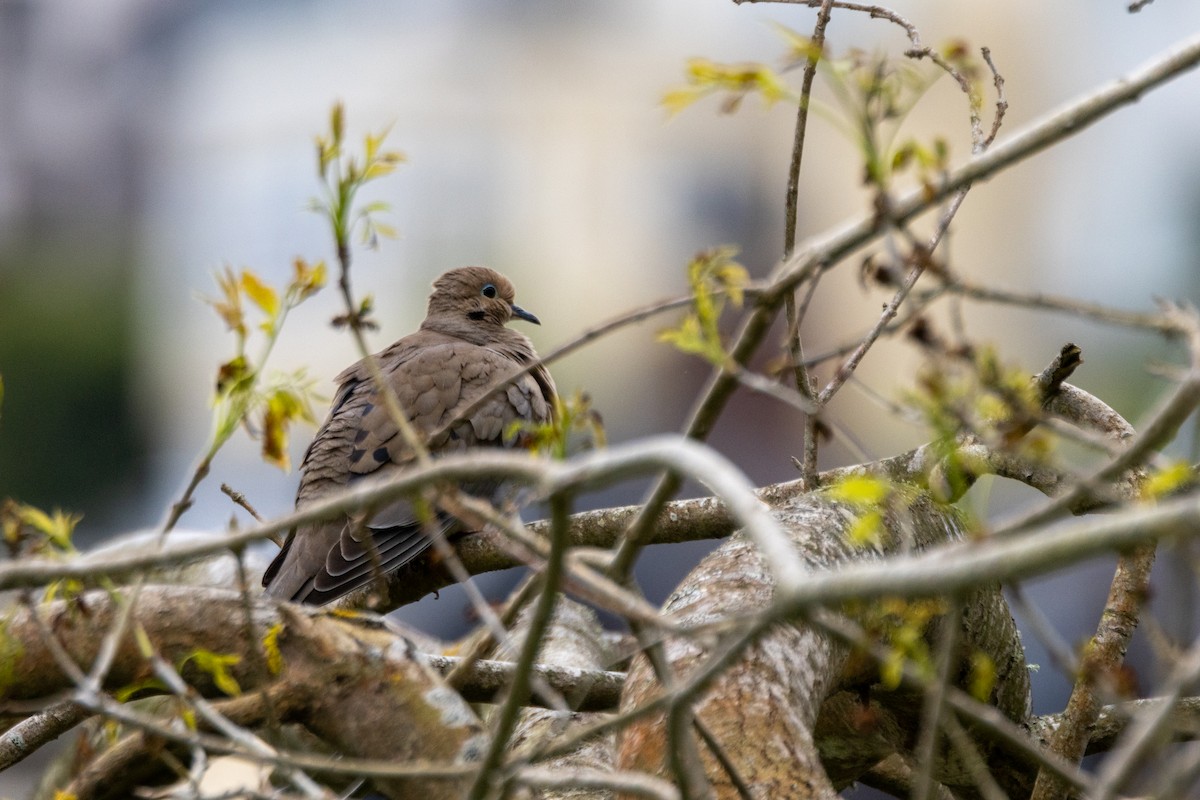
794 314
506 717
1059 650
962 743
715 747
1143 733
683 754
240 499
28 736
1001 99
185 500
628 784
1066 305
934 705
482 680
816 45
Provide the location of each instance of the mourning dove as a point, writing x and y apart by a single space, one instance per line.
460 351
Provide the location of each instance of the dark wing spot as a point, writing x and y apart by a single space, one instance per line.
362 434
355 455
381 454
367 407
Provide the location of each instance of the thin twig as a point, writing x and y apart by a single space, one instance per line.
626 784
232 732
683 753
241 500
934 704
816 46
29 735
1141 736
1043 629
793 314
484 640
1001 99
974 761
718 750
509 711
1066 305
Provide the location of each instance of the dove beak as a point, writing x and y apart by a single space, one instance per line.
521 313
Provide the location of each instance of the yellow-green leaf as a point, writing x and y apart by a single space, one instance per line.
378 169
145 647
1164 481
800 47
260 294
11 651
274 439
126 693
866 529
732 277
736 77
308 279
36 518
677 100
188 715
229 305
270 642
982 676
231 373
10 522
20 521
714 278
891 671
283 406
687 337
337 121
216 666
706 77
861 490
65 589
572 415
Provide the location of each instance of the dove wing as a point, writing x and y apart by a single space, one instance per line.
435 377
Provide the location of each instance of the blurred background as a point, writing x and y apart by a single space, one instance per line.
145 145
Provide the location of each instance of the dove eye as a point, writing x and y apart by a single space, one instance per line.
489 290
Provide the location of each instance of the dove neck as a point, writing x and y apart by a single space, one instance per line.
481 332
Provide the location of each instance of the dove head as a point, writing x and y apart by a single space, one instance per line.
473 299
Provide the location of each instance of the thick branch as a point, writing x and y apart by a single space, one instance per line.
374 700
774 675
